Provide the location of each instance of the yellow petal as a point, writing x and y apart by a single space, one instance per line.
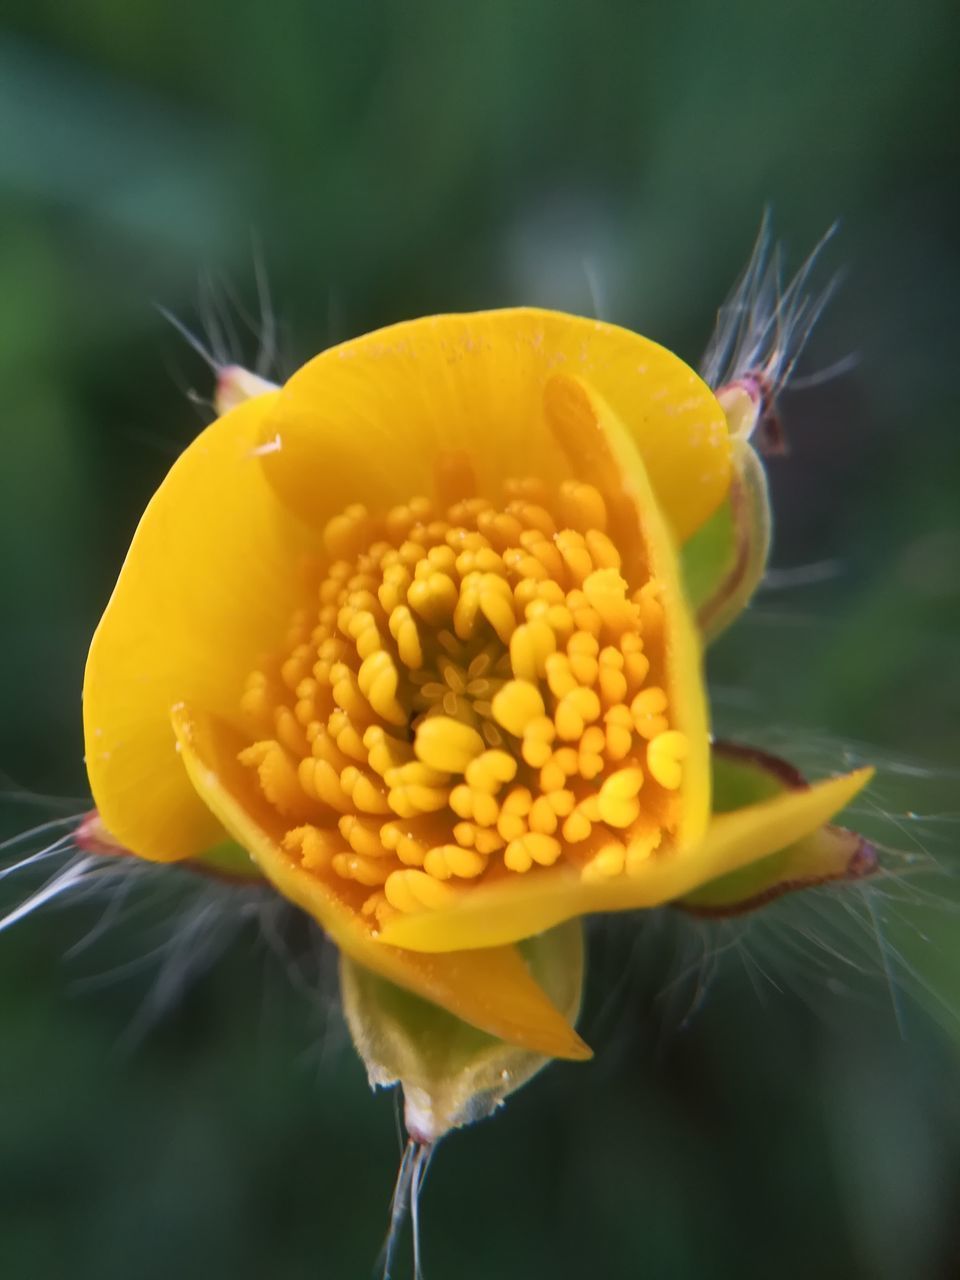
214 564
491 989
365 421
605 453
505 912
212 574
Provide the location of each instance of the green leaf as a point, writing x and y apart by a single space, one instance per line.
451 1073
743 776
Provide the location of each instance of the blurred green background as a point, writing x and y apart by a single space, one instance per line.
385 160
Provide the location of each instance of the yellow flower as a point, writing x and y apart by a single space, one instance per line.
412 631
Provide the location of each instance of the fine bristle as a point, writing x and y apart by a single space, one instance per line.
764 325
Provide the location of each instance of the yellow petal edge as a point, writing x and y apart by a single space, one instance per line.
499 915
491 988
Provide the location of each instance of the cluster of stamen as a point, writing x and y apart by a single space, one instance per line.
478 693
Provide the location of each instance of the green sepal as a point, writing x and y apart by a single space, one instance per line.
228 860
451 1073
725 559
744 776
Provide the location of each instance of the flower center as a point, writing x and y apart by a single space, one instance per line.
478 693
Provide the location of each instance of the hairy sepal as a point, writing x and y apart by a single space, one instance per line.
451 1073
725 559
744 776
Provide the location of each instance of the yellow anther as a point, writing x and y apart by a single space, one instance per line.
602 551
606 591
516 704
364 793
482 560
651 608
363 835
510 826
489 771
415 773
543 817
434 598
530 646
408 801
522 853
353 866
405 633
410 890
296 666
277 774
618 724
576 557
590 806
664 754
553 776
496 605
347 693
290 733
257 698
321 781
617 802
577 827
606 864
560 677
467 644
612 681
517 857
647 710
466 615
501 528
575 710
378 680
640 848
344 535
446 744
518 801
393 589
532 516
462 801
525 566
561 802
488 841
585 617
585 668
590 760
397 839
582 506
545 552
449 860
567 759
530 488
383 751
538 736
347 738
314 848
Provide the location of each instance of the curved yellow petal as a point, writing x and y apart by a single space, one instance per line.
503 913
491 989
363 422
212 571
605 453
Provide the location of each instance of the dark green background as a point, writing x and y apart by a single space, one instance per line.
396 159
